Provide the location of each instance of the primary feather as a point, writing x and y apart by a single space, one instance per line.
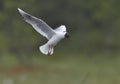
39 25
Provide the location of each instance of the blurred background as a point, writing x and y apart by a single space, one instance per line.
91 56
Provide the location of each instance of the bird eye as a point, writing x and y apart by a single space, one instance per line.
67 35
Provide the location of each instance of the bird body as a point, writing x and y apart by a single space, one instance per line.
48 48
53 35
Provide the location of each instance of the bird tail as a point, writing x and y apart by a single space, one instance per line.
46 49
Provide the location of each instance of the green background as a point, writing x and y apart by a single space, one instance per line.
90 56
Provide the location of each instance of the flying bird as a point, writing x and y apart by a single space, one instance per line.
53 35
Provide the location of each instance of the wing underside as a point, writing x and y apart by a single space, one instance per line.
39 25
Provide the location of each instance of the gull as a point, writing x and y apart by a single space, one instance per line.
53 35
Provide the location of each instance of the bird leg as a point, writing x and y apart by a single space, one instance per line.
50 50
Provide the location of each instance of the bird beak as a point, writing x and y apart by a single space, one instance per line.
67 35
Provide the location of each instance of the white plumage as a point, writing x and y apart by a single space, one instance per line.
53 35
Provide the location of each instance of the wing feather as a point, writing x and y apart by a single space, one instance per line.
39 25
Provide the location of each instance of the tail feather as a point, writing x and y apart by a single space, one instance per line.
46 49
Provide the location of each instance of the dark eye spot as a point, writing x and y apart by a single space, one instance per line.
67 35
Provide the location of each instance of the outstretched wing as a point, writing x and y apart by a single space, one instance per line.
39 25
